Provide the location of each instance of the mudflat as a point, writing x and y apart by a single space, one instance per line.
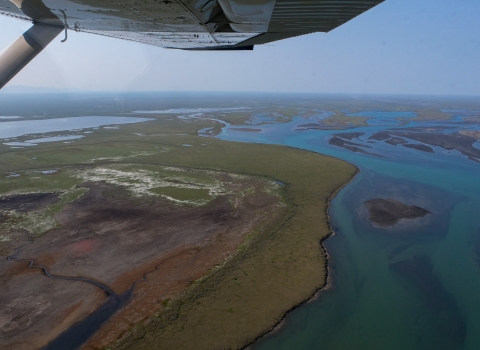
116 238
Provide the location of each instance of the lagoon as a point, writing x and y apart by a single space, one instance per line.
413 286
12 129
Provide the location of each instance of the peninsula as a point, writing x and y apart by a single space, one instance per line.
171 234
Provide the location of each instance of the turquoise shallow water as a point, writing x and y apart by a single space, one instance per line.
414 286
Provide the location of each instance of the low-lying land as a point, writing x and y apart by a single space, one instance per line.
127 223
350 135
461 141
247 129
221 251
351 146
419 147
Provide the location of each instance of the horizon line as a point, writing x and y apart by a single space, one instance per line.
45 90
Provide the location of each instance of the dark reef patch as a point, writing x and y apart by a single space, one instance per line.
386 212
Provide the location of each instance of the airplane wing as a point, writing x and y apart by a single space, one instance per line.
180 24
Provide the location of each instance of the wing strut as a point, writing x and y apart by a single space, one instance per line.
24 49
66 25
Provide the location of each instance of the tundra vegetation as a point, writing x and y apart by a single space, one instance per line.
276 263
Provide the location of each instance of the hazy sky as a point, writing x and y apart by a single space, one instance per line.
400 46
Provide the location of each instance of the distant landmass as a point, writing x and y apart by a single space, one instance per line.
36 90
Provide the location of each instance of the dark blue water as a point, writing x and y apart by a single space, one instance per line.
75 336
414 286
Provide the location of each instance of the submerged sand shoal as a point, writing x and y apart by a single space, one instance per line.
385 212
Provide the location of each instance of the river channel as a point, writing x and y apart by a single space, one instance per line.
81 331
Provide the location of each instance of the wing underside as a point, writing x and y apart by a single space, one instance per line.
192 24
179 24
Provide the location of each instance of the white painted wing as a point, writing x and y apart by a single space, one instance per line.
192 24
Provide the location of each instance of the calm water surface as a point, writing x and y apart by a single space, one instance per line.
414 286
12 129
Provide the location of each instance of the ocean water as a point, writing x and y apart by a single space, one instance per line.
413 286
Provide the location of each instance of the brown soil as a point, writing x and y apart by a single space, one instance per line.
34 308
116 239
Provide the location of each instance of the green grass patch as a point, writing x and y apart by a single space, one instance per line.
340 119
183 194
35 181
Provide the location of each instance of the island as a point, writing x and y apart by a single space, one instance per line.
247 129
462 141
386 212
351 146
420 147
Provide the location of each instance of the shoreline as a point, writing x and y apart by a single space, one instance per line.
251 286
328 279
295 238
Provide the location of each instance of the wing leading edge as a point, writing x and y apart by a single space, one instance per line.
181 24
